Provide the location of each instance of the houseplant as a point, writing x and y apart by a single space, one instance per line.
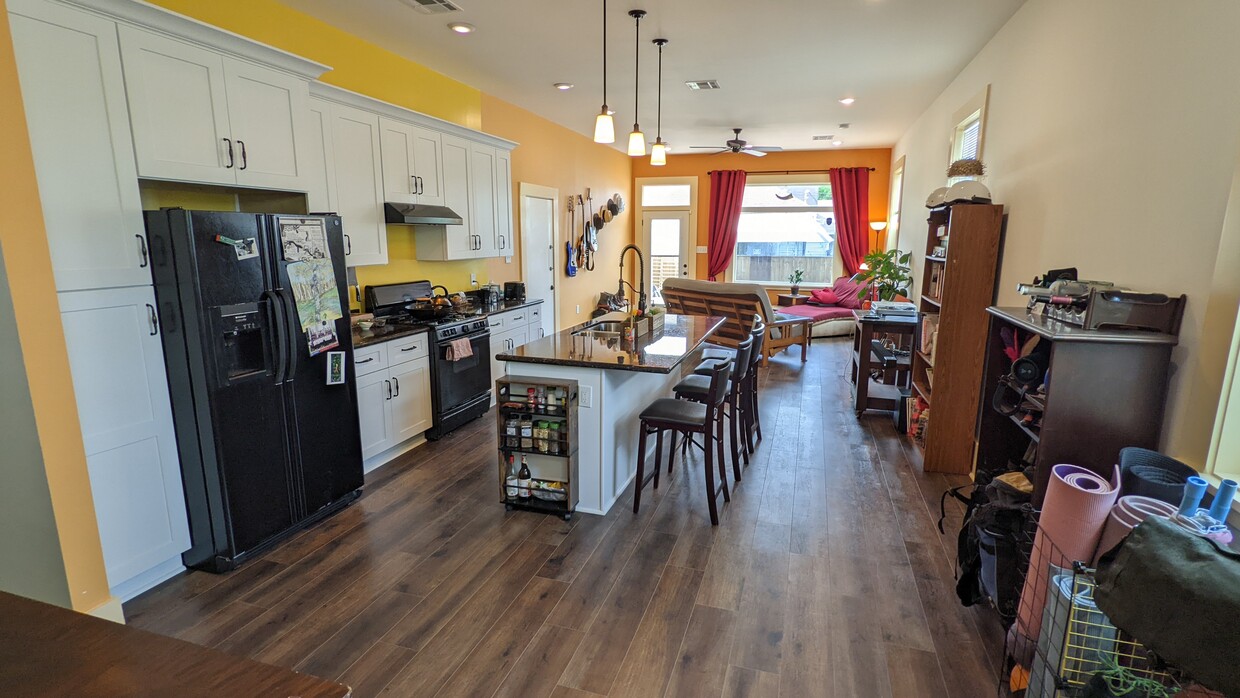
795 279
887 273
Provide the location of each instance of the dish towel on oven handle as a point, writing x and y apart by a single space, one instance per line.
459 349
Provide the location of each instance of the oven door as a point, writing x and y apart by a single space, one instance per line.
458 382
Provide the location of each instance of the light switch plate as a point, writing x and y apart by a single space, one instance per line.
701 249
585 397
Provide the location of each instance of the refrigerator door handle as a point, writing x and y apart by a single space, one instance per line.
276 322
290 314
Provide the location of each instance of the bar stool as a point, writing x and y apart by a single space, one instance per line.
688 418
747 397
696 388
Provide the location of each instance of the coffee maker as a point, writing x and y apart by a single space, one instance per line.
514 291
488 297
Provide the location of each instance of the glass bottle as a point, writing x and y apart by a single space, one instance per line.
553 438
511 485
523 480
527 433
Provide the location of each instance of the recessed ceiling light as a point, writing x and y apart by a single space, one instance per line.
564 86
847 101
462 28
837 143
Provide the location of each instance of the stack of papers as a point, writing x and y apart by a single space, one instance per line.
893 308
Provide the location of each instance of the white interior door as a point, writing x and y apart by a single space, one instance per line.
538 249
669 249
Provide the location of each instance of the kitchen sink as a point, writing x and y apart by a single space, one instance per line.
601 329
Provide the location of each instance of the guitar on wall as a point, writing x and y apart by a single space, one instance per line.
570 266
581 241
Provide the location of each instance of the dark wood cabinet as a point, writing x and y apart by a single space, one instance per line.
1106 390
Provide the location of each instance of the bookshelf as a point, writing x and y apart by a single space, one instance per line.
959 278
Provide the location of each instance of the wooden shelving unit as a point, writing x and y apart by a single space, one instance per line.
551 460
1106 391
958 281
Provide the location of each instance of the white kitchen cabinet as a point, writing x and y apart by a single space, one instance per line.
482 183
411 399
448 242
200 116
357 174
412 163
503 202
73 89
320 187
373 394
117 366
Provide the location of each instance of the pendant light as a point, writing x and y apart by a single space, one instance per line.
637 139
604 127
658 151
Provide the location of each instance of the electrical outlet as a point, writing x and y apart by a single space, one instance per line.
473 279
701 249
579 310
585 396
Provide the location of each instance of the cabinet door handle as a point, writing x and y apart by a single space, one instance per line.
142 251
389 388
365 361
245 161
413 184
348 245
411 347
421 186
518 317
396 381
231 162
502 242
153 318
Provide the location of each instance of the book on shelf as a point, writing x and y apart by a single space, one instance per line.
929 335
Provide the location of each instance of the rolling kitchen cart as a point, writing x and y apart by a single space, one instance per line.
537 421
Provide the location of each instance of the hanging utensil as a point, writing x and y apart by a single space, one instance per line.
570 260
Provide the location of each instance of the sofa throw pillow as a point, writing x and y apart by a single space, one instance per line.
824 296
848 292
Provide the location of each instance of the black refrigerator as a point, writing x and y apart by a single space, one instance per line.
267 434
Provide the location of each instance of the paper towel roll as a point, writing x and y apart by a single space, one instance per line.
1073 514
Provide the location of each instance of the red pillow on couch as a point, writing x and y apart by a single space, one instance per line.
824 296
848 292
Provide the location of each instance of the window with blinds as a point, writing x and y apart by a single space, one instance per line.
967 139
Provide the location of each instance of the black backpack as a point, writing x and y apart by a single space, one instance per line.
993 547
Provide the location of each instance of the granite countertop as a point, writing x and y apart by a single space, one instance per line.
386 333
657 352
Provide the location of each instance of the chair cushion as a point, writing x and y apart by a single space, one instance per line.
671 411
708 366
848 292
818 313
711 351
696 387
825 296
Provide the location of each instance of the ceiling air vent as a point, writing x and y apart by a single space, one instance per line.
824 138
702 84
432 7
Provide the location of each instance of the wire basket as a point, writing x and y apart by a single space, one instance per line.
1061 641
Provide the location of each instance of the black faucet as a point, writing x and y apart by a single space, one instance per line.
641 277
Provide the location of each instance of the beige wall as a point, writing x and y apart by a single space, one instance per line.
1112 138
29 321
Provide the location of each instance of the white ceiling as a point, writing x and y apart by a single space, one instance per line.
782 64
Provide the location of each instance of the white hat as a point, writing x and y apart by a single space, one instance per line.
937 197
968 190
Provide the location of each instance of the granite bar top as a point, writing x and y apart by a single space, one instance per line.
386 333
661 351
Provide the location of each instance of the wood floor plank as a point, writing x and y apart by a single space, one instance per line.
540 666
591 585
179 616
656 644
759 640
572 553
914 673
741 682
566 692
494 657
349 643
376 668
598 658
219 625
702 663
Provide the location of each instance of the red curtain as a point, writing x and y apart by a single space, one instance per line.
727 188
850 190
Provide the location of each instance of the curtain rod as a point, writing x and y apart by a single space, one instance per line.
826 171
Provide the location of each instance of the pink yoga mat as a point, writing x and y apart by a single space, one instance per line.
1075 509
1125 515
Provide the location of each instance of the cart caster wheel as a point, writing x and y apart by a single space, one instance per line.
568 517
507 507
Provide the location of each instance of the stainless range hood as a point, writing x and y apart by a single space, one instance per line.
420 214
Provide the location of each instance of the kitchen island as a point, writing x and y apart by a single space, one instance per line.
616 380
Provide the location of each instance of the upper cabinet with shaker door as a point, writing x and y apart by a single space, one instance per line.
503 202
482 183
199 116
448 242
320 184
74 94
357 176
412 163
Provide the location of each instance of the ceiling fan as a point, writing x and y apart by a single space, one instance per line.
736 145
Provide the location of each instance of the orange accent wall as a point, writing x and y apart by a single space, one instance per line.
553 156
28 265
693 165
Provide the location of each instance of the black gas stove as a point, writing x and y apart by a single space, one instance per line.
460 380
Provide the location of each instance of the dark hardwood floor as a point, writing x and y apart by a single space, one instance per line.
825 577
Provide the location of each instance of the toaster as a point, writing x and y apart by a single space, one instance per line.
514 291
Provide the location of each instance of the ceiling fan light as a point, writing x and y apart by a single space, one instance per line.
637 142
604 127
658 154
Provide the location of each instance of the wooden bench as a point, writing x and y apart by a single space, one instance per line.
740 309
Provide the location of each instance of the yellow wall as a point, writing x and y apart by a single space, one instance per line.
31 287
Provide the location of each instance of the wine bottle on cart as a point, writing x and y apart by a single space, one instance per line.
523 479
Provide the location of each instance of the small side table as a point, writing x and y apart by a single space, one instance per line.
869 394
786 299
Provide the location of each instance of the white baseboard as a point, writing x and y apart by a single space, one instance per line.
109 610
149 579
392 453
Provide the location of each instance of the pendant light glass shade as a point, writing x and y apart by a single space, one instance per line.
604 127
658 154
637 142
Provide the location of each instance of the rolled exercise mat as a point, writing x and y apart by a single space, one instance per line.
1151 474
1222 501
1129 511
1075 509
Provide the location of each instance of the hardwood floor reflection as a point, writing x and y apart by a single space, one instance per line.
825 577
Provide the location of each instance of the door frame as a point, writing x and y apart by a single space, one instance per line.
538 191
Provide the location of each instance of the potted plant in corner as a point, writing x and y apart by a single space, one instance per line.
887 273
795 279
